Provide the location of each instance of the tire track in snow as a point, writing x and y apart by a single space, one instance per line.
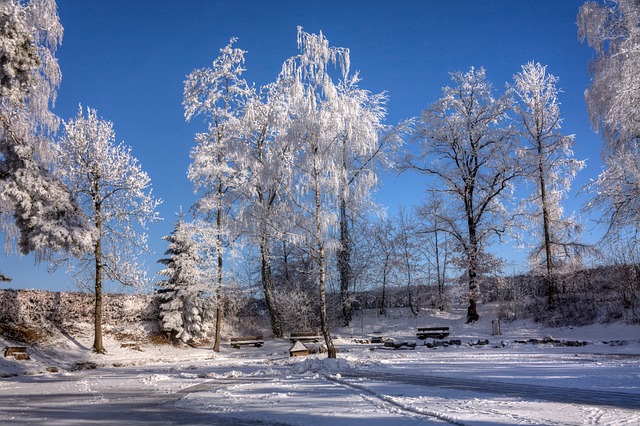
388 400
528 391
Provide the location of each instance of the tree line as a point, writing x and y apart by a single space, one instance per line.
284 176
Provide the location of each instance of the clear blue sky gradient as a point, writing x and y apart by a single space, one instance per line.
129 59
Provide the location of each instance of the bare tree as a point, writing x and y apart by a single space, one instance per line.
385 253
409 256
433 219
364 149
115 193
468 147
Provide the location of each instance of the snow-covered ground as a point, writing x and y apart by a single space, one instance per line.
502 382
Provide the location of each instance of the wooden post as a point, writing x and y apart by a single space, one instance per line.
495 327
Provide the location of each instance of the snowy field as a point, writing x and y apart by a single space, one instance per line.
502 382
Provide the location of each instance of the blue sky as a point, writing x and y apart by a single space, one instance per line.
129 59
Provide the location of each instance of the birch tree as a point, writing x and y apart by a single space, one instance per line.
468 147
612 29
34 205
219 93
316 191
330 122
114 191
548 159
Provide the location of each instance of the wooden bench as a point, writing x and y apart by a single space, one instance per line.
238 342
305 337
433 332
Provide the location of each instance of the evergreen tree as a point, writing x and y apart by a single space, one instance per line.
185 310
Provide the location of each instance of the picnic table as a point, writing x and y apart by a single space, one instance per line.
238 342
305 336
433 332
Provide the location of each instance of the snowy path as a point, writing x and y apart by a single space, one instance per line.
98 398
527 391
503 382
299 395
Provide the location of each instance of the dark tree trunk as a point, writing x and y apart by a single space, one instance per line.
472 310
218 285
549 278
267 284
383 299
97 340
344 266
439 274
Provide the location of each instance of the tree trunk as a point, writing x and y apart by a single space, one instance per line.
550 281
344 265
97 340
383 301
324 321
472 310
438 275
218 331
414 309
320 254
267 284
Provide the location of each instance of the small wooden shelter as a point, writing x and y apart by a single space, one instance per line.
298 349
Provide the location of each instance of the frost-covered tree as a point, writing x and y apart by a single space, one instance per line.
612 29
45 216
316 105
364 149
468 148
550 168
334 129
265 159
219 94
109 183
185 308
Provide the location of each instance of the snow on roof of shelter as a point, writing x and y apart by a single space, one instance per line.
298 346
